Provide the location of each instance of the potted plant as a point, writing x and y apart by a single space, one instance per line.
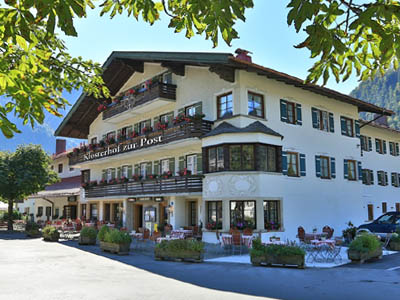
50 234
181 250
185 172
286 255
87 236
137 177
151 176
350 232
167 175
32 230
394 243
364 247
114 241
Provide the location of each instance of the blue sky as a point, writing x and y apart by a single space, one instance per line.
265 33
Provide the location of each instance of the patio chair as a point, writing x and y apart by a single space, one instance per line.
155 236
248 231
329 231
236 241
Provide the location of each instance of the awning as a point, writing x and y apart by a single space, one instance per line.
56 193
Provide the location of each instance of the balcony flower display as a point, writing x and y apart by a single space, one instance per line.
101 108
137 177
167 174
92 147
180 119
151 176
161 125
121 138
113 181
110 141
213 225
123 179
272 225
197 117
147 130
184 172
103 182
134 134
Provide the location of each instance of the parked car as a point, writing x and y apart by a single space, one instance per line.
387 223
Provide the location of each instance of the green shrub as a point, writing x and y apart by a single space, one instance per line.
16 215
365 243
50 232
31 226
117 237
89 232
181 245
102 232
258 249
395 237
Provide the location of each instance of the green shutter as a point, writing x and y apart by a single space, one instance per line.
346 169
136 128
362 142
331 123
359 169
198 107
130 171
155 121
284 163
391 148
315 119
333 167
137 169
283 110
113 173
343 125
379 173
149 166
369 144
172 165
386 178
199 163
156 167
371 174
170 118
181 111
357 128
302 164
181 163
298 114
317 166
394 179
119 172
384 147
397 149
118 134
377 146
104 174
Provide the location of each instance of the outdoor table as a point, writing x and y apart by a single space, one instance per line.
322 250
226 239
330 243
89 224
315 236
185 232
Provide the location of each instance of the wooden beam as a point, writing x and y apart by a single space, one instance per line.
176 68
224 72
135 65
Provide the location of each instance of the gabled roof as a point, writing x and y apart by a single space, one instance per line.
120 66
255 127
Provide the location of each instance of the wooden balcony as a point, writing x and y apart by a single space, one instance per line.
173 185
185 130
158 90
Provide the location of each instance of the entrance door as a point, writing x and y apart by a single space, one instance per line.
192 213
138 213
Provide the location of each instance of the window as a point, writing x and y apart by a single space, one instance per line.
164 166
255 105
167 118
367 177
290 112
93 141
394 148
225 105
110 173
292 164
93 211
39 211
214 216
325 170
216 159
384 207
192 213
107 212
60 168
395 179
351 170
167 78
382 178
366 143
349 127
322 120
85 176
380 146
124 171
56 213
48 211
144 124
111 135
267 158
241 157
272 220
71 169
370 212
191 163
243 214
143 170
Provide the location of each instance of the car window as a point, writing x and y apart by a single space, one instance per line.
385 219
397 220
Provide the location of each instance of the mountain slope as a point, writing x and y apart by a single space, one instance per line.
382 91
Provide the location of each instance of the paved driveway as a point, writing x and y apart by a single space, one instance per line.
33 269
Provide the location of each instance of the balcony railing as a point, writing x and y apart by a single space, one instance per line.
173 185
190 129
157 90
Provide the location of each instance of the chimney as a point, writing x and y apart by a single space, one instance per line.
243 54
382 120
61 146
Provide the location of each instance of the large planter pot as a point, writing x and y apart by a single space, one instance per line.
286 260
51 238
122 249
192 256
361 257
86 240
394 246
257 260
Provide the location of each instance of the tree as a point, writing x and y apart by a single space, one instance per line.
35 66
22 173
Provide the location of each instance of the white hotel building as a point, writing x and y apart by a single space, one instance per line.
260 148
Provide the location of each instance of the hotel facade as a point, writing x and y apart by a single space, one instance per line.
214 140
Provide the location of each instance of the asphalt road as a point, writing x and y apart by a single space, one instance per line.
33 269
